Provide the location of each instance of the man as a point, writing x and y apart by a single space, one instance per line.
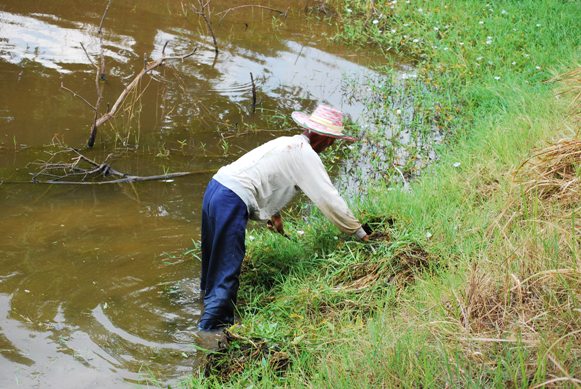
258 186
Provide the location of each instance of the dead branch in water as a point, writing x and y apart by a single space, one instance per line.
253 93
99 76
148 68
89 172
205 12
226 12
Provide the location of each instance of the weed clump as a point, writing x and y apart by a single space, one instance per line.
399 269
236 353
553 173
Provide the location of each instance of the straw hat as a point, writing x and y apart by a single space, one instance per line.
325 121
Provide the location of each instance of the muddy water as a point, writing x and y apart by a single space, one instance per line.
94 287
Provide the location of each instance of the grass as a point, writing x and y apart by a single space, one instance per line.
477 278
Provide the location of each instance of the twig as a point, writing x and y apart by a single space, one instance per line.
497 340
226 12
95 172
87 54
79 96
104 15
99 75
253 93
126 179
558 379
206 17
149 67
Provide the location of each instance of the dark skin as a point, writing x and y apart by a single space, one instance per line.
319 143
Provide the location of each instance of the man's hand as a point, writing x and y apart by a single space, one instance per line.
275 224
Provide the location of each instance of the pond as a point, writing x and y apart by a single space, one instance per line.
95 289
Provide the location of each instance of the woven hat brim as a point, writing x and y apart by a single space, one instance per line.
304 120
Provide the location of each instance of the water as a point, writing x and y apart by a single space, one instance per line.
94 287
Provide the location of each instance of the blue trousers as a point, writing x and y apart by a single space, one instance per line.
224 219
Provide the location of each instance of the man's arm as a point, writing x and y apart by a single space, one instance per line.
312 178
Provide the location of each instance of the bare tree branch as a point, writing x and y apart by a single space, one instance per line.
87 54
103 17
253 93
204 12
99 76
226 12
79 96
90 171
149 67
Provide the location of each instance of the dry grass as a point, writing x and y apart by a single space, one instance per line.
526 290
236 352
398 269
553 173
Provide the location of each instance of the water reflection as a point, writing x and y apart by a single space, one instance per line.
40 39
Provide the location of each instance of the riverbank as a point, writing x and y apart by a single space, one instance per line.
476 281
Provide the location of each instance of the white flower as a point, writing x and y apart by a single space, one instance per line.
445 49
436 28
398 111
479 58
420 10
456 164
251 237
461 43
300 232
538 24
428 234
513 63
538 67
375 21
503 12
496 78
349 10
416 40
393 30
481 22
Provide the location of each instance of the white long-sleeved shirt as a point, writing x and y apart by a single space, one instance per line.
269 176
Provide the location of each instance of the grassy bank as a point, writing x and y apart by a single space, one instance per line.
477 278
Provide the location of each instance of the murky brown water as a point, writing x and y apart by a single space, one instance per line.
94 288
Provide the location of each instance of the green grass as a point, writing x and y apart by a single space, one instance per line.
479 283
